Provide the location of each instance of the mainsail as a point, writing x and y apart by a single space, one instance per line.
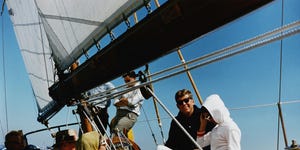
53 34
34 47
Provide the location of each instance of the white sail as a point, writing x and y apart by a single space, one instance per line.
72 26
34 48
53 34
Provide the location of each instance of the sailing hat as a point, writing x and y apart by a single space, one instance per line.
69 135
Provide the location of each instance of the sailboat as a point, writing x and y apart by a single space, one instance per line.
52 35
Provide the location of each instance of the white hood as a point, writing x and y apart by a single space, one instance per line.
226 135
216 108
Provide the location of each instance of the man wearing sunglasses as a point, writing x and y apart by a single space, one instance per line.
189 118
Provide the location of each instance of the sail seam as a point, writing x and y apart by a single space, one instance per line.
38 77
76 20
27 24
32 52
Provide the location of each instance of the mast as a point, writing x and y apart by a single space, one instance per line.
190 77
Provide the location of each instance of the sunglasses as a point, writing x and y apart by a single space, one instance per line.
186 100
207 117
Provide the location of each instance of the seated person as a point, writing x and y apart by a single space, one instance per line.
66 140
14 140
189 117
226 134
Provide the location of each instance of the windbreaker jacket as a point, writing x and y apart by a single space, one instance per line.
226 135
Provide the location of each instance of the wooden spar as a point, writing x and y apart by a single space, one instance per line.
282 124
160 33
280 82
157 3
190 77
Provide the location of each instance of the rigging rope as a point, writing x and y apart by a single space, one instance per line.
280 116
264 105
44 53
2 131
4 73
156 111
243 108
68 116
2 8
147 120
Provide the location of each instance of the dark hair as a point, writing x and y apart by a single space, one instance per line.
130 74
183 92
31 147
203 110
65 136
14 133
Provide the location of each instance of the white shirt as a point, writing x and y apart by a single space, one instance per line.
102 102
135 100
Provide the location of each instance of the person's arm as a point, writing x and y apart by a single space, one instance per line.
121 102
136 98
203 139
171 142
109 87
234 138
85 123
102 145
203 123
130 99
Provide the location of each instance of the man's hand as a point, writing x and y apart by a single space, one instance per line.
203 121
123 102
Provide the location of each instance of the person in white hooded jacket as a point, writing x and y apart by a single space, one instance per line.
226 135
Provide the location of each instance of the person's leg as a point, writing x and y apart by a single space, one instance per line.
126 122
103 116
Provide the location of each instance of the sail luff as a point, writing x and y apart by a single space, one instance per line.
34 48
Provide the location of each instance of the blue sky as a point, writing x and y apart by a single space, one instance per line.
248 79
